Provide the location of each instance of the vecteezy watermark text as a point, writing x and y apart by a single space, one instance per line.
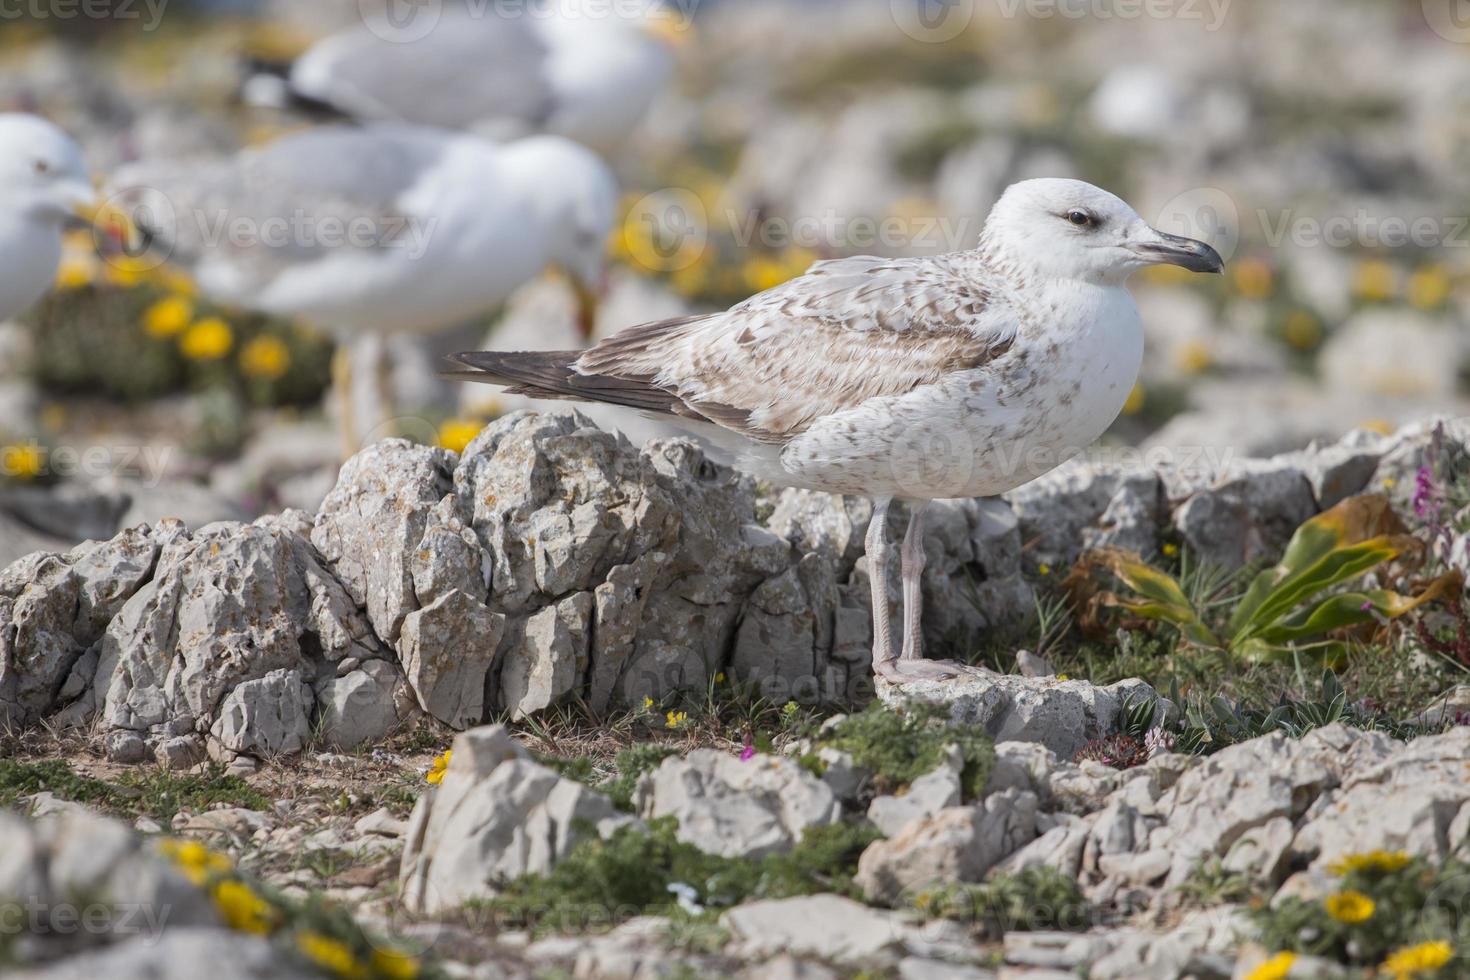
150 12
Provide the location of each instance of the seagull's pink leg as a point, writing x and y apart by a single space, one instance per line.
912 557
911 665
877 551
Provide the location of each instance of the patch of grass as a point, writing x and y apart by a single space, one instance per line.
1213 884
1032 899
900 746
631 763
153 793
21 779
633 872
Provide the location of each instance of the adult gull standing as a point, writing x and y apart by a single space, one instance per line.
573 69
960 375
379 229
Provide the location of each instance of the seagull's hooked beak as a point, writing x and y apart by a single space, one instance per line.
669 28
1162 249
83 200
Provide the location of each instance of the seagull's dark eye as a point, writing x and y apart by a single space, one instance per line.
1081 218
42 166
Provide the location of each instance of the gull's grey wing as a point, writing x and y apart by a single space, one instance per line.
846 332
291 202
470 68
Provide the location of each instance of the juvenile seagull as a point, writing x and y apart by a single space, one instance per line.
43 185
960 375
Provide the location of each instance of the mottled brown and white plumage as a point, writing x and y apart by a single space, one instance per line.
959 375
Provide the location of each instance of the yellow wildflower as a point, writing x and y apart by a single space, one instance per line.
762 273
1411 961
456 434
1383 862
1170 550
1253 278
439 767
265 358
1044 570
208 340
22 462
1350 907
242 909
333 956
1277 967
1136 399
1194 357
676 719
128 270
1429 287
74 272
720 677
196 861
1302 330
1063 677
168 317
1375 281
395 965
176 281
647 704
692 280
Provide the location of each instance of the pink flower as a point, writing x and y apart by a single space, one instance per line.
747 753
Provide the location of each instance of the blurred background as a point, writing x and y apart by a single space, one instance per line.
1322 145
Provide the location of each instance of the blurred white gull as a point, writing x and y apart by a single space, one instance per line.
43 185
569 68
961 375
380 229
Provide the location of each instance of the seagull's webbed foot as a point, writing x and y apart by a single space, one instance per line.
904 671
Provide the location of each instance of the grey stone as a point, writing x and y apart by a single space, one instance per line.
1061 715
734 807
371 528
1249 513
53 608
1082 505
958 844
227 605
448 649
826 927
496 815
550 658
268 716
926 796
363 704
179 954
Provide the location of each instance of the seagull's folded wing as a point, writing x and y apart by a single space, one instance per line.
846 332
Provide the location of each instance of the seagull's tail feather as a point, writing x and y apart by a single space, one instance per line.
553 375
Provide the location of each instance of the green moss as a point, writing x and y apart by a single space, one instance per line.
631 763
900 746
633 872
1036 898
142 792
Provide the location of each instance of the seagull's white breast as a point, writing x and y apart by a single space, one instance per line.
985 431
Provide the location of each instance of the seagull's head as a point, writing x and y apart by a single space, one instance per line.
42 170
1069 229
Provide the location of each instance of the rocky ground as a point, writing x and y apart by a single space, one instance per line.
657 670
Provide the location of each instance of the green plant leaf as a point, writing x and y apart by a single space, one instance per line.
1326 652
1338 566
1357 520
